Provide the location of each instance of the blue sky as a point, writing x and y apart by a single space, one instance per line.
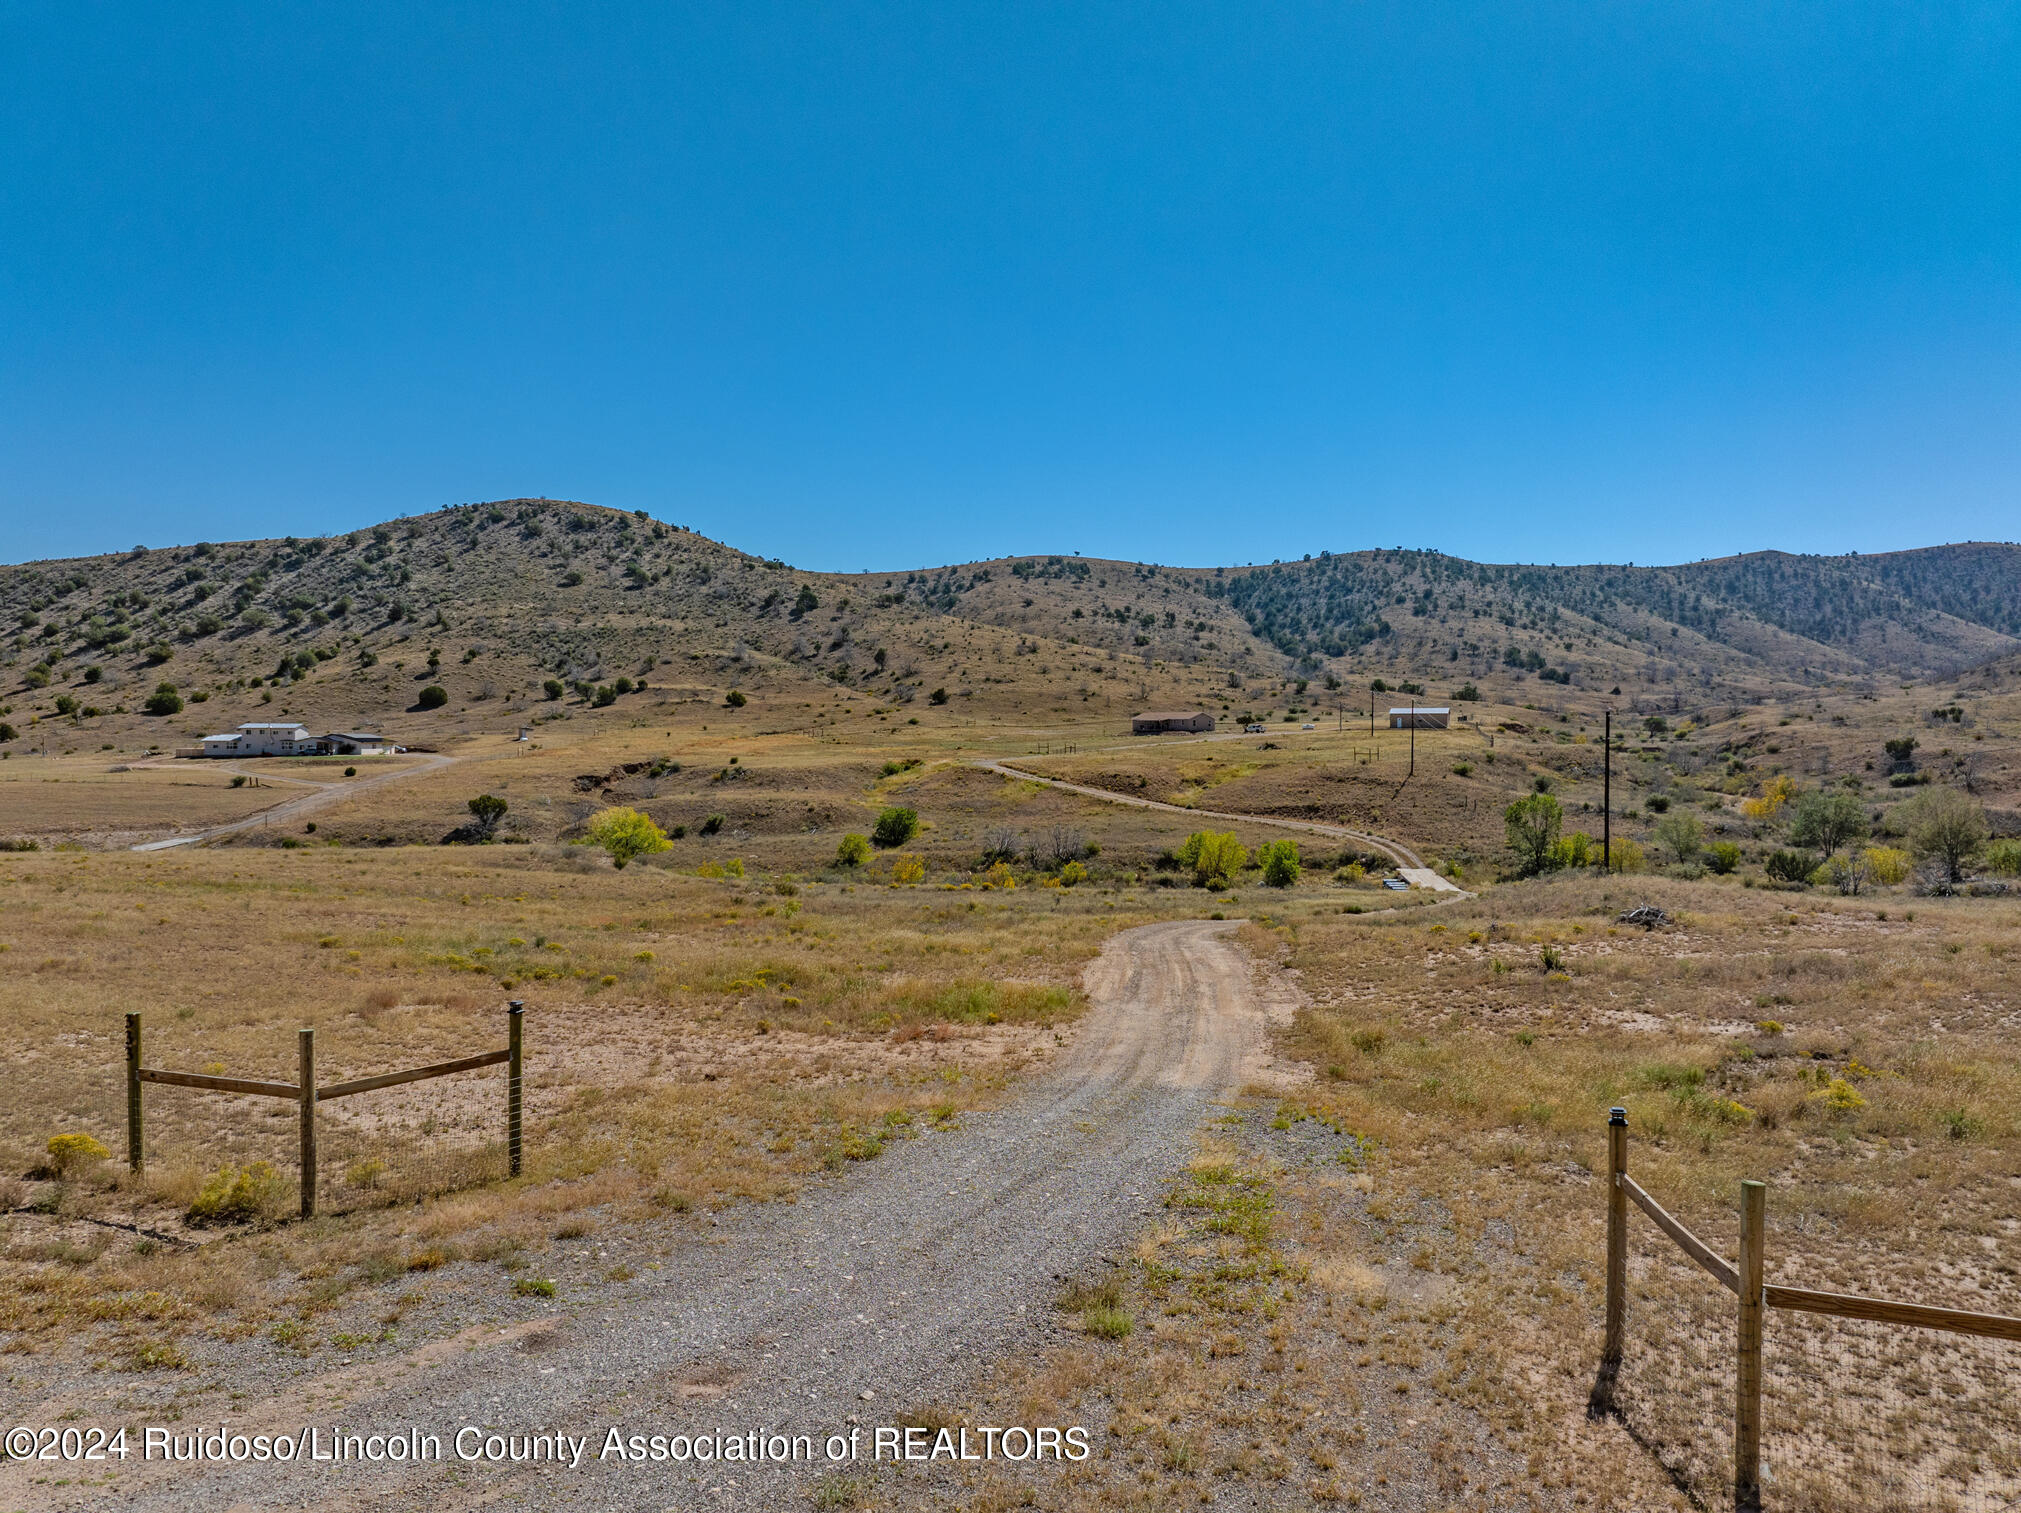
875 286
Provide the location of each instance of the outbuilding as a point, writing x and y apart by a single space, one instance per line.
1423 717
355 743
1157 721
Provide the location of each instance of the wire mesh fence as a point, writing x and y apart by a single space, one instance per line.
1863 1417
400 1143
1762 1395
386 1137
1675 1390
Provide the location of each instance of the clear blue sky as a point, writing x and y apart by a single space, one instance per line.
884 285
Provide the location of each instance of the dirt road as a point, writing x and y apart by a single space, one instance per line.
1396 851
878 1294
322 796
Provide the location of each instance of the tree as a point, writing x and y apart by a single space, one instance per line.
1944 824
625 834
1722 857
1682 834
853 852
8 732
1825 821
938 696
735 699
1532 826
487 810
164 700
1215 857
554 688
1901 752
895 827
806 603
434 696
1279 860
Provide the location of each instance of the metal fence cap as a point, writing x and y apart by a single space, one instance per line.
1617 1116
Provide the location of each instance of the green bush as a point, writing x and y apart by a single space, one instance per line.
854 851
1216 858
1722 857
735 698
626 833
1279 860
554 688
164 700
2004 857
1789 866
434 696
1575 850
236 1195
894 827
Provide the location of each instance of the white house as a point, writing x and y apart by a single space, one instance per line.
1423 717
261 739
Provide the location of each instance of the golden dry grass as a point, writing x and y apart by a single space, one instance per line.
691 1042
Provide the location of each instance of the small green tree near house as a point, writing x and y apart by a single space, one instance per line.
1531 827
554 688
626 834
487 810
735 698
1279 860
854 851
894 827
164 700
1824 821
434 696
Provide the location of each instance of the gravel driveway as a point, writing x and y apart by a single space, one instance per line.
878 1294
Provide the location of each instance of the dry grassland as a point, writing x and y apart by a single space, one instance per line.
1383 1288
691 1042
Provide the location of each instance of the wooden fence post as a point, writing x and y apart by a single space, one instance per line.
1601 1400
515 1015
1617 1235
306 1040
1747 1364
136 1154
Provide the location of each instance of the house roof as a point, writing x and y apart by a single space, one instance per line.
1169 714
1422 709
229 735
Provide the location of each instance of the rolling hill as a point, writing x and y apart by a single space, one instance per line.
498 603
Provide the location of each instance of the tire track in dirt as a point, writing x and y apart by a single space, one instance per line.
1396 851
882 1292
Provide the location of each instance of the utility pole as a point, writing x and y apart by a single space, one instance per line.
1371 714
1413 737
1607 798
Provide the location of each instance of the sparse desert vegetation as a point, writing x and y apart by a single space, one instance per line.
772 923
